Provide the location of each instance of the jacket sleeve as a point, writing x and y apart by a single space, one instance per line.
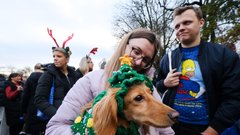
79 95
10 93
26 95
162 74
42 93
229 110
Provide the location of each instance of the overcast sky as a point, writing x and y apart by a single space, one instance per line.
24 40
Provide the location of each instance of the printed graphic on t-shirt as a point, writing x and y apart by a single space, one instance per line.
190 99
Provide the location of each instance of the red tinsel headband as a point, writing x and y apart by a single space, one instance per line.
64 43
66 50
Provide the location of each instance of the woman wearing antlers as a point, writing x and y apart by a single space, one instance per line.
58 76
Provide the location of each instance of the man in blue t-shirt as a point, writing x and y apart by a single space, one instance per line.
203 85
190 100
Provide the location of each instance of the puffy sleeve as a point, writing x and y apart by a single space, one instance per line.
82 92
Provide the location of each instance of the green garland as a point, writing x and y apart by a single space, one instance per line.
83 124
124 78
133 130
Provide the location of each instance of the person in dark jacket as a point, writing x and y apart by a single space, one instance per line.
2 87
63 77
4 130
33 125
13 91
215 104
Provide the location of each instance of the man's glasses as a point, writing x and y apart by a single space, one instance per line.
136 53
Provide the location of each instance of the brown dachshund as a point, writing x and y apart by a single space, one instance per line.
139 106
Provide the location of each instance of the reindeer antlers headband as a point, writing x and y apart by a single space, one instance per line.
66 50
93 51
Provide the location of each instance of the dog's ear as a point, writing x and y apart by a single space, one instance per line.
105 114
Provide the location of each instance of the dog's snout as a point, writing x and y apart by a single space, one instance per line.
173 115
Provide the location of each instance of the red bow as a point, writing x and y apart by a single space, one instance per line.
93 51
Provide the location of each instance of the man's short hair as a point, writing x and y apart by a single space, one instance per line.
38 66
180 10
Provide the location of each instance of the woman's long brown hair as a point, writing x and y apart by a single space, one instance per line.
114 64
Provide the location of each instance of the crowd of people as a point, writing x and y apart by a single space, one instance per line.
21 100
199 79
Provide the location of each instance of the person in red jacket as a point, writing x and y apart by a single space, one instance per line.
13 92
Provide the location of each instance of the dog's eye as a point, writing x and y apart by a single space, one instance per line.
138 98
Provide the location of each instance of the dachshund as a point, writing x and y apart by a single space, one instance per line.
139 106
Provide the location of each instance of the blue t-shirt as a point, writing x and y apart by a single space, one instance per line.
190 100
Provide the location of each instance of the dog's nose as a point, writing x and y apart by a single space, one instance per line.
173 115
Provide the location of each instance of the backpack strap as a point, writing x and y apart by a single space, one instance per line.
51 96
